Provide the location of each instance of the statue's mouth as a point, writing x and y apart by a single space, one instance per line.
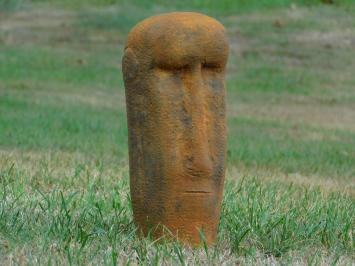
199 186
197 192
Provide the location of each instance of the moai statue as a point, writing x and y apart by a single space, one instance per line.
174 67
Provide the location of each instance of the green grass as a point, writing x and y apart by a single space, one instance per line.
43 126
289 194
10 5
221 7
67 67
93 224
280 146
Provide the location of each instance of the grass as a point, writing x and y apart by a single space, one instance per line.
92 224
222 7
289 149
289 194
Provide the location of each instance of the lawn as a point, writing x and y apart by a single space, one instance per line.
289 195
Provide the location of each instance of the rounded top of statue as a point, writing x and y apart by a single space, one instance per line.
174 39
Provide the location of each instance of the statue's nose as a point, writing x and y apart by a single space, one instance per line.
198 161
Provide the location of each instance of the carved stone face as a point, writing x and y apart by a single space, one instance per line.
173 69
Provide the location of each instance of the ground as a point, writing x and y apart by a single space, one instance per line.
289 193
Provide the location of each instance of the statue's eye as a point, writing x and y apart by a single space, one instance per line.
182 67
212 66
174 68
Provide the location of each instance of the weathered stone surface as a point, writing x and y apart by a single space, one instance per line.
174 67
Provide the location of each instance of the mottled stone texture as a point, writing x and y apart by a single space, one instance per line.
174 67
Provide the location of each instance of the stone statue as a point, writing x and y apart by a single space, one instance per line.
174 67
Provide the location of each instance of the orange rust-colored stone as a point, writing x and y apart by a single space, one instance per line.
174 67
